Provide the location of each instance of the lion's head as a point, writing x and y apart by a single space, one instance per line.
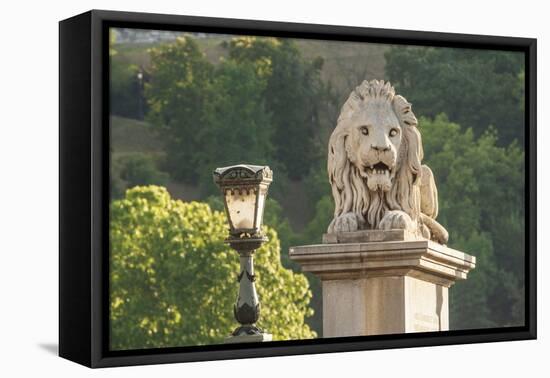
375 154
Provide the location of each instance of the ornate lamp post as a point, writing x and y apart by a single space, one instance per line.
244 190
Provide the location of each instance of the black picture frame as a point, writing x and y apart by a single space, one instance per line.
84 188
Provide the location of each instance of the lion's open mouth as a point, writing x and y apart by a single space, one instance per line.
378 176
378 168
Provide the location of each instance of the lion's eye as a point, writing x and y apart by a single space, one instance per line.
364 130
393 132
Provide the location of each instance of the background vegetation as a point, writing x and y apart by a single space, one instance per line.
183 107
173 279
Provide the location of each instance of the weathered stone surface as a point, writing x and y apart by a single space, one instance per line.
383 305
384 287
369 236
375 167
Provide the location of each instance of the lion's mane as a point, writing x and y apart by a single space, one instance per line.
349 188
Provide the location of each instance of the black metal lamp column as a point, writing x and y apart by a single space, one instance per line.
244 188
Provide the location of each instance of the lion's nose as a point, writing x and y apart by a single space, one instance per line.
380 148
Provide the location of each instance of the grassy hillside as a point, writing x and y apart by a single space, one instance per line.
130 136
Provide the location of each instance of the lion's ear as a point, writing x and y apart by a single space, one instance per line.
350 106
404 112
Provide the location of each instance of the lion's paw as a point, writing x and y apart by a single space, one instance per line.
347 222
396 219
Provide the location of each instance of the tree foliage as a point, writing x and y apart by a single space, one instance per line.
262 103
474 89
126 94
173 279
210 115
293 95
176 93
132 170
236 123
481 201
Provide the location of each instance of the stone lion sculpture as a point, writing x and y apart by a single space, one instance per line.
375 166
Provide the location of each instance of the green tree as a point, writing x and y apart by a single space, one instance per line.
210 116
236 126
176 94
317 187
475 89
139 169
294 95
132 170
173 279
126 95
481 201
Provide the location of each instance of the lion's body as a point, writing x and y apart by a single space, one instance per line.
374 166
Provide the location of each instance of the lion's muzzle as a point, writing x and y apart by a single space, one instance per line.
378 176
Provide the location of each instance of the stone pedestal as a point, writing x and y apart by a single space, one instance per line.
381 282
